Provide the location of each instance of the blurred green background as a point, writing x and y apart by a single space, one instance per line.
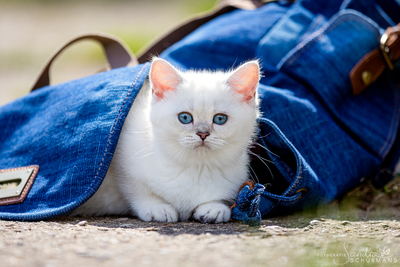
30 30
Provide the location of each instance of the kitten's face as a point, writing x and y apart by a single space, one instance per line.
201 113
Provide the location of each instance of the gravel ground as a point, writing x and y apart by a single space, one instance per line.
362 229
357 238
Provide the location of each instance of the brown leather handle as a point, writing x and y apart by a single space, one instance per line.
117 53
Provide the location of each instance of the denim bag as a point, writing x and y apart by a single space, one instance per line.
327 122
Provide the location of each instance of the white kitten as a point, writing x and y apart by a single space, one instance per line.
182 152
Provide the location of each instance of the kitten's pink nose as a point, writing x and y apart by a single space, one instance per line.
203 136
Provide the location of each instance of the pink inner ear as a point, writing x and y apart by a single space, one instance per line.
163 77
245 80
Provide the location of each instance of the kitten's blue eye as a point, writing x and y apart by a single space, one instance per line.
220 119
185 117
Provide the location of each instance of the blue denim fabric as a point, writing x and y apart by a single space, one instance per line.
70 131
321 139
246 207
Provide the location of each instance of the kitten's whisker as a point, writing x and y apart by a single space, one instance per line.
257 180
240 139
142 150
244 148
138 132
146 155
257 144
258 156
265 165
264 135
251 176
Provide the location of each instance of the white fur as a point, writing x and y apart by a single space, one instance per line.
162 171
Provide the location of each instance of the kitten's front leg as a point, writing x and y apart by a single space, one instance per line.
149 207
213 212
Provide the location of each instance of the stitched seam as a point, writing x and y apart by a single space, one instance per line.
298 179
321 33
290 171
112 130
311 27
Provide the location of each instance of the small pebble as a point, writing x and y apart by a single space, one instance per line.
345 223
315 222
82 223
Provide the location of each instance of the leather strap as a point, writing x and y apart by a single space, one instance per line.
371 66
117 53
176 34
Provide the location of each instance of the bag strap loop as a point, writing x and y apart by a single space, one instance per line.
371 66
117 54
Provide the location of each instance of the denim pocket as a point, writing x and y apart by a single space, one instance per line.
323 62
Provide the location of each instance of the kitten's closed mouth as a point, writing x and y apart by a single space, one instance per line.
203 144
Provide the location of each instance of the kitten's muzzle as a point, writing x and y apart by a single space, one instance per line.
203 135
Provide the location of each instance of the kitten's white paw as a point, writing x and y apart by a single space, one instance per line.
212 213
160 213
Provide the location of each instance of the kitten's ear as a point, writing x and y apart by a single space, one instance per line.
163 77
244 80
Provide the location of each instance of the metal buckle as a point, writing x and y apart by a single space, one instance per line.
16 183
303 191
386 51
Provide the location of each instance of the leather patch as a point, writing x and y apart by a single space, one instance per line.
15 184
371 64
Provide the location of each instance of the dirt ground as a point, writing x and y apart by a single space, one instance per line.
295 240
363 229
